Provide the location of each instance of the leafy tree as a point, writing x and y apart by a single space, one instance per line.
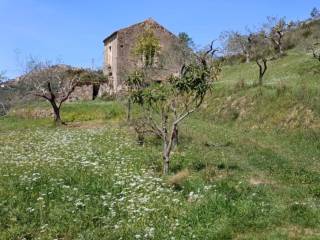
165 105
134 83
147 47
186 40
315 13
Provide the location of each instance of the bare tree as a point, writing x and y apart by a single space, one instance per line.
261 51
275 30
237 44
315 48
165 105
3 108
55 83
2 77
312 45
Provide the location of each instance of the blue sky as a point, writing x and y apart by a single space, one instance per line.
72 31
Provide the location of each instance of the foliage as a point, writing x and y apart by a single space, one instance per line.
147 47
164 105
186 40
315 13
109 187
247 178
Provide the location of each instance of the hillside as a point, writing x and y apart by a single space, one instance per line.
247 166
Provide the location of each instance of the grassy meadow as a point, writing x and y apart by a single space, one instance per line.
247 166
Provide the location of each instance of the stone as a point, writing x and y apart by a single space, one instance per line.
119 59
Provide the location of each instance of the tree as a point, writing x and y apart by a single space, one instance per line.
237 44
260 50
186 40
134 83
275 30
313 45
3 78
165 105
147 47
3 108
316 50
147 50
55 83
315 13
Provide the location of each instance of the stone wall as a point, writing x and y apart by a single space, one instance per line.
110 58
171 61
84 93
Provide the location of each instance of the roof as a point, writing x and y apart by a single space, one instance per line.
147 21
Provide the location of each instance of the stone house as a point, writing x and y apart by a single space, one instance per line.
119 59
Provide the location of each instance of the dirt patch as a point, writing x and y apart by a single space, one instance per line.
86 125
33 113
300 117
179 178
296 232
255 181
237 108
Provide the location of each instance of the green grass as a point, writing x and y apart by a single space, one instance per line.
291 70
252 174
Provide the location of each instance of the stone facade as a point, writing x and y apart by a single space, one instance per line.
119 59
83 93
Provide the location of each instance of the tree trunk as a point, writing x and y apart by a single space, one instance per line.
262 69
247 58
129 110
175 136
280 50
56 111
260 79
166 159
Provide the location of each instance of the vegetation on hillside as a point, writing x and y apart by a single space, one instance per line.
246 166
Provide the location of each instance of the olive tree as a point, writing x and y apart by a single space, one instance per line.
275 30
312 45
236 43
316 51
56 83
3 108
261 50
2 77
163 106
315 48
